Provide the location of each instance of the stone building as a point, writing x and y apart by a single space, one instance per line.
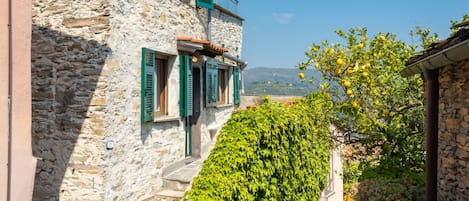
445 67
125 93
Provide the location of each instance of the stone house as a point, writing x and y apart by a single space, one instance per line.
125 93
445 68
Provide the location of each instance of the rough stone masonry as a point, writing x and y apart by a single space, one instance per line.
86 90
453 133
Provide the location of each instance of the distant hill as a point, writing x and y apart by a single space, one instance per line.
279 81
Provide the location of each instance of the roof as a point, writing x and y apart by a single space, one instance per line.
459 36
207 45
441 49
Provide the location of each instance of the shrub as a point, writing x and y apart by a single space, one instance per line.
402 189
272 152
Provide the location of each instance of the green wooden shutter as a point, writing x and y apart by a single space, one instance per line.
211 80
204 3
236 86
185 86
148 84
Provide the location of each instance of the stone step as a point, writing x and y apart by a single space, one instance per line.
169 195
175 185
180 178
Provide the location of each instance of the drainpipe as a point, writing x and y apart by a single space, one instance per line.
209 24
431 133
10 89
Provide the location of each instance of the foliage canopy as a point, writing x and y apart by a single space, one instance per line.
372 102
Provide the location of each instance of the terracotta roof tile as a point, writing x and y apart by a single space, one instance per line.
184 38
209 46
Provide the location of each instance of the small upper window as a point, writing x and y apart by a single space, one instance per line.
204 3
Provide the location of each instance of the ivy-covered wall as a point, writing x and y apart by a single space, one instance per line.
272 152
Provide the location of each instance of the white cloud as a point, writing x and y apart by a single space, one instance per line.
283 18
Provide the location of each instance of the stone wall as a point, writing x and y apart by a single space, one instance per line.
453 139
142 151
227 31
68 92
86 92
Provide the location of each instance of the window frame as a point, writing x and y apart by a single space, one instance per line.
160 108
223 86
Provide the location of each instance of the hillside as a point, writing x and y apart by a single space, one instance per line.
279 81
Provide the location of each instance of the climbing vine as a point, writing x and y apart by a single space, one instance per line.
272 152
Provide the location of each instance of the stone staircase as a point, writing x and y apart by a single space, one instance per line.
177 179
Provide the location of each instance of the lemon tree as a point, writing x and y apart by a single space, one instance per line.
373 104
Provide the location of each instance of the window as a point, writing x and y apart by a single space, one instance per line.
217 84
154 85
204 3
222 86
161 90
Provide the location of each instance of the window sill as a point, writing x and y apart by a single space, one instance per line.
166 119
224 105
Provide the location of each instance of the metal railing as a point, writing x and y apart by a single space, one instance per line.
231 5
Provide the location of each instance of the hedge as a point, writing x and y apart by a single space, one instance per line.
272 152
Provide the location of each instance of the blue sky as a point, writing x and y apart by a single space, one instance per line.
278 32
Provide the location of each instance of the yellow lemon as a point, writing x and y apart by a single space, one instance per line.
349 92
339 62
301 75
346 84
330 51
355 104
338 71
316 65
365 74
349 70
385 112
367 65
360 45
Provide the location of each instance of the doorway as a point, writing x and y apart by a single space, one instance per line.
196 121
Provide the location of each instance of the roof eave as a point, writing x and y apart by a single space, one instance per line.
240 62
452 54
188 46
